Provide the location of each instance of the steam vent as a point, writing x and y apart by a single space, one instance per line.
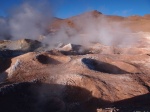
90 62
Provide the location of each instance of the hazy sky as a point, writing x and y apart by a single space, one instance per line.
68 8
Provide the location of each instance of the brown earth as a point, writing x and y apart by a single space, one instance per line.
100 79
135 23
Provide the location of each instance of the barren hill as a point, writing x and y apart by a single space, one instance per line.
136 23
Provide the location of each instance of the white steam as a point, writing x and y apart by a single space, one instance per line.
32 21
92 29
4 29
29 20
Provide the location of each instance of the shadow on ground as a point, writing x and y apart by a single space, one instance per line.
102 66
42 97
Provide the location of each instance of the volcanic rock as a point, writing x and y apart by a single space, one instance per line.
15 48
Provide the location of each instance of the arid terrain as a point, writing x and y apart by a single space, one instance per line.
95 67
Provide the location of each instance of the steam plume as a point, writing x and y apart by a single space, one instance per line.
93 29
31 21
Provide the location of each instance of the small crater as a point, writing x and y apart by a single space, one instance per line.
52 59
102 66
44 59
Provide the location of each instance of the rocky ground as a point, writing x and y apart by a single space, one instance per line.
74 78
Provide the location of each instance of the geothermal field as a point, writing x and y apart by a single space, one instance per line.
90 62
